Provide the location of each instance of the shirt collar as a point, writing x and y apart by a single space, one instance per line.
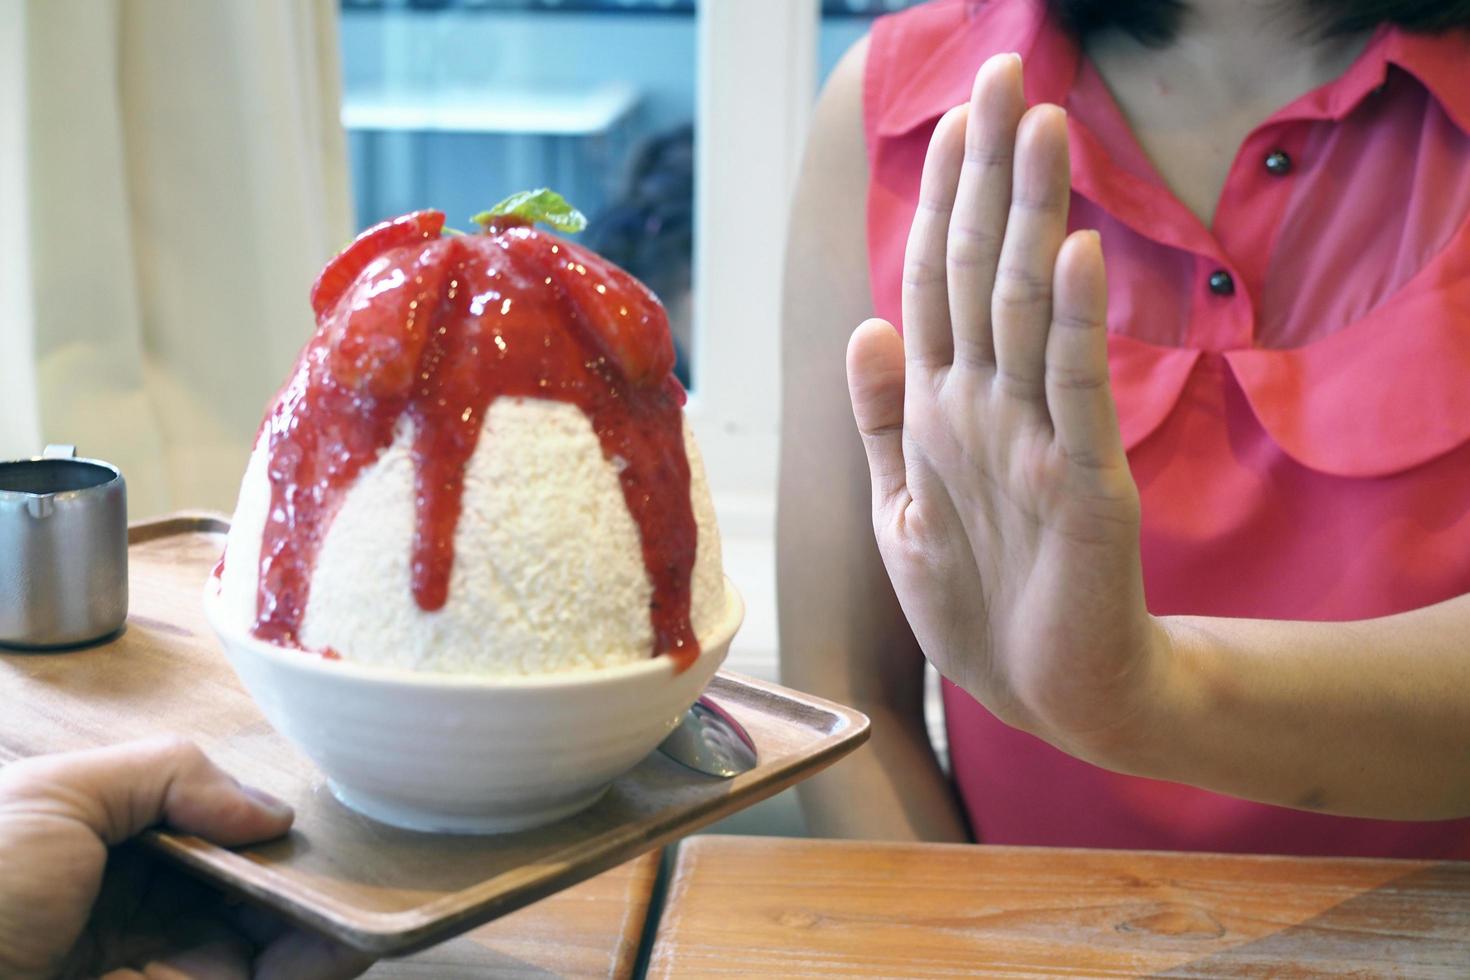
945 78
1441 63
1437 61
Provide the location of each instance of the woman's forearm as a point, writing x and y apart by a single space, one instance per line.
1367 718
890 789
843 635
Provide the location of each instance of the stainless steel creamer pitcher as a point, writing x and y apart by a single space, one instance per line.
63 550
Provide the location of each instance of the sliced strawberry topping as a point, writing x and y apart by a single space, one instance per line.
432 331
378 333
375 299
352 260
626 319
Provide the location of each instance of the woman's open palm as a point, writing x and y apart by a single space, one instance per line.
1002 501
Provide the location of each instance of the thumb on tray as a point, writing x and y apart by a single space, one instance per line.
120 790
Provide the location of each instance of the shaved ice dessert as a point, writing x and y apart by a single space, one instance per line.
479 464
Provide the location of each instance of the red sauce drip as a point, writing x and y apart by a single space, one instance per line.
436 331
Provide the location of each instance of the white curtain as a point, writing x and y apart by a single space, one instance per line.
172 175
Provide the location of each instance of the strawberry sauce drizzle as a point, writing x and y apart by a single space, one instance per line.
435 331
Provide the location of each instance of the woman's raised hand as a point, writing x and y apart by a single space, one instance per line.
1002 501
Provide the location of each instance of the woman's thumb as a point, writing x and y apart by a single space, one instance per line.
875 380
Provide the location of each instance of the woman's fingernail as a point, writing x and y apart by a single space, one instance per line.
278 807
999 62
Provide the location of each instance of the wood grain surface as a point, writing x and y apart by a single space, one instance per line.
589 930
383 890
758 906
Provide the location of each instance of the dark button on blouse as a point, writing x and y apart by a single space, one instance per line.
1278 163
1221 283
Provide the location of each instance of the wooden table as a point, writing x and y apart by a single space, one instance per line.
797 908
590 930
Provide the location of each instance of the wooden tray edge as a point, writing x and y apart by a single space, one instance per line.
849 715
400 937
401 933
176 523
853 730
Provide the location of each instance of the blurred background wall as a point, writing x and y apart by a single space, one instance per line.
173 175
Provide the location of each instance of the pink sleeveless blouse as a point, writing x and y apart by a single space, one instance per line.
1293 383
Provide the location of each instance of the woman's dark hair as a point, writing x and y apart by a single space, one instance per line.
1155 21
649 228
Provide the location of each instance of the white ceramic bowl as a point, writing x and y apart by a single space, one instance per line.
463 753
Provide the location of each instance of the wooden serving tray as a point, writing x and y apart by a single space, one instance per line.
379 889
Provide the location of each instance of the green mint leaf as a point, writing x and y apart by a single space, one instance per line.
543 205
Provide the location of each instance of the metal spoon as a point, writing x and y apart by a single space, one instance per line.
708 740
